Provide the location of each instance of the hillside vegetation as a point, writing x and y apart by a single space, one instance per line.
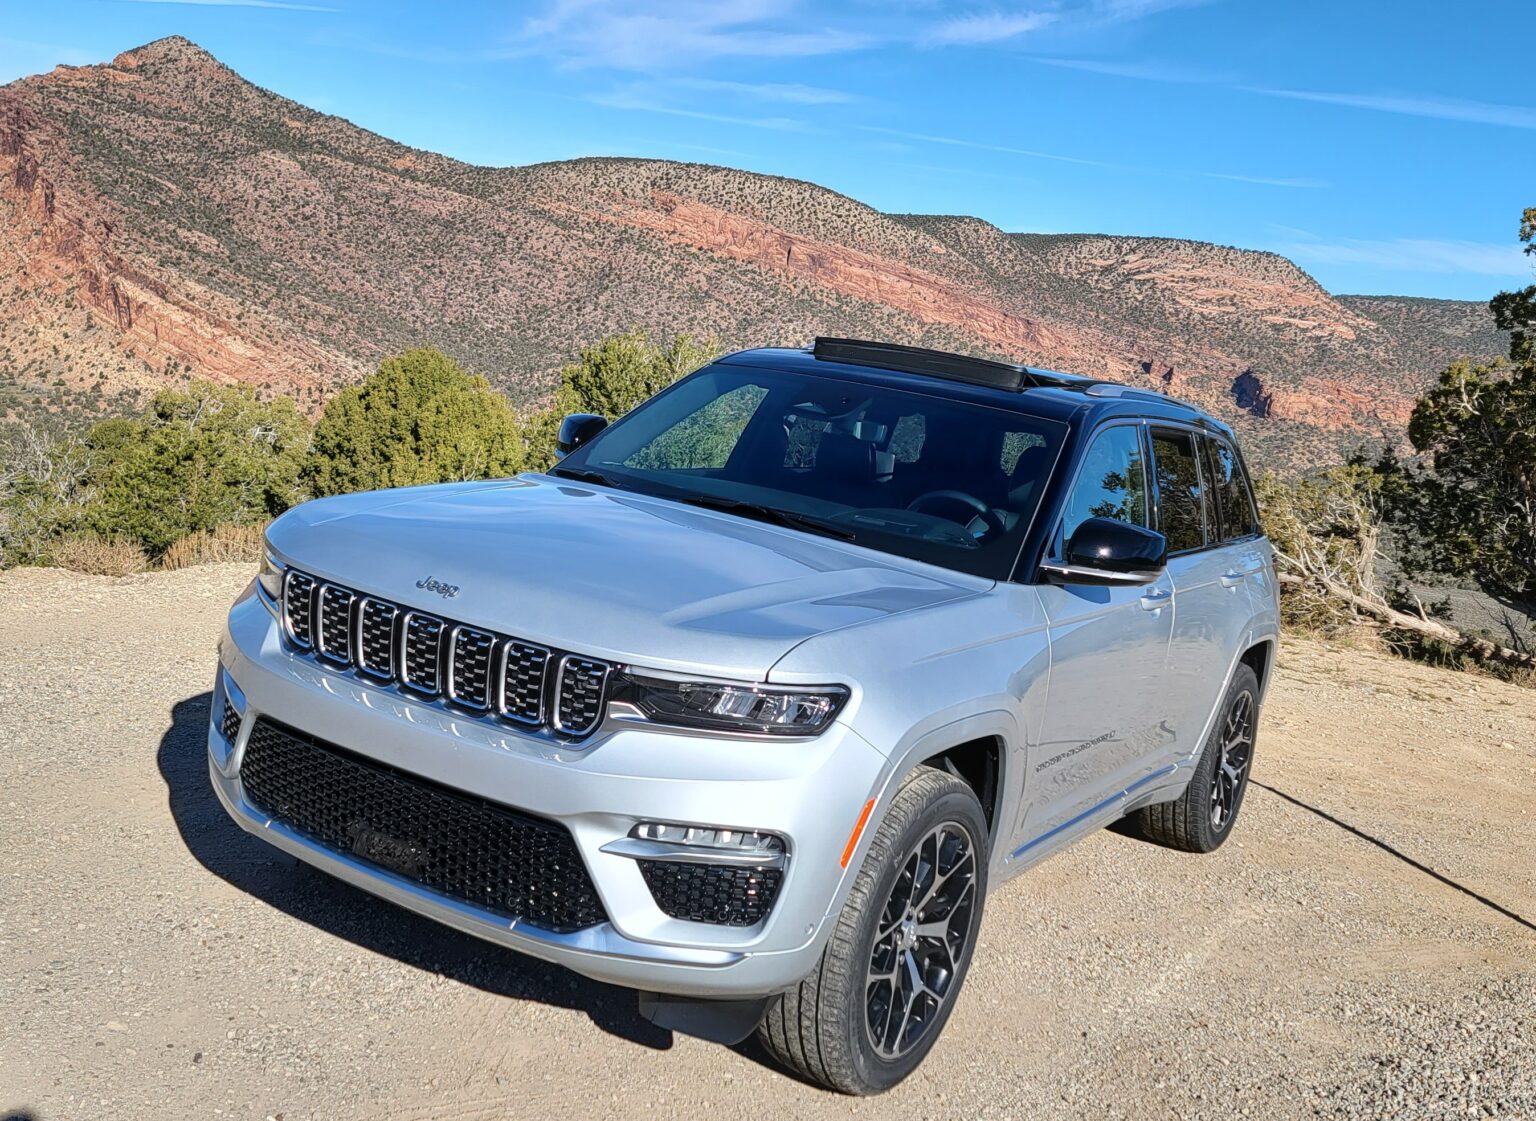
164 220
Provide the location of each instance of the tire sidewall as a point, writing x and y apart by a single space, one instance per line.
956 805
1243 680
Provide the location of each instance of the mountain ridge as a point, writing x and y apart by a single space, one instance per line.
162 217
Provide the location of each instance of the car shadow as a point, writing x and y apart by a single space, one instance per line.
337 908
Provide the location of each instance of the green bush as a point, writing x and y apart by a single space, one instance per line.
197 458
419 419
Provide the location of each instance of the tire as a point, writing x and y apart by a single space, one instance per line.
821 1029
1201 818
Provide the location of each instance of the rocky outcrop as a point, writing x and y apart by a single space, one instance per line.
160 216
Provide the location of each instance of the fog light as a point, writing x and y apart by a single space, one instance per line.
699 836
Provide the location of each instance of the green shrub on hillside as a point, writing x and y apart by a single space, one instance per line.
419 419
197 458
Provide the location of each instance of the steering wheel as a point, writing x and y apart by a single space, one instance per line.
969 501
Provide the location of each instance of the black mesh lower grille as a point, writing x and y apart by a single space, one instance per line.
712 893
462 846
229 722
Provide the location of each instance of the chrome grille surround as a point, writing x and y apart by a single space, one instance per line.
299 608
521 682
580 688
485 674
333 636
469 666
376 637
421 652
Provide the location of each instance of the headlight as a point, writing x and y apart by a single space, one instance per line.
723 706
270 577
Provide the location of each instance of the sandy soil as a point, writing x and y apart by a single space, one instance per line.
1365 945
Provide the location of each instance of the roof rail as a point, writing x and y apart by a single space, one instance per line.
940 364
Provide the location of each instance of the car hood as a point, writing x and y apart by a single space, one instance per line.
610 574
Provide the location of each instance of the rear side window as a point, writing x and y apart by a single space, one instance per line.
1181 498
1112 483
1230 492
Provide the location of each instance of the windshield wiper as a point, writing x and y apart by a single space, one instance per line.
772 514
585 475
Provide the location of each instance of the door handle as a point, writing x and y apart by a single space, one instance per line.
1155 599
1235 576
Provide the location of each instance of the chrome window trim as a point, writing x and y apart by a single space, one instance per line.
394 617
437 664
554 717
452 651
500 702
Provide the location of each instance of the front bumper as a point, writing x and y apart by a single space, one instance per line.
809 792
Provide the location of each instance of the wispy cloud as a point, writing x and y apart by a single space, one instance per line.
1433 255
792 92
982 146
239 4
993 27
1125 10
1141 71
1440 108
1059 157
638 35
622 99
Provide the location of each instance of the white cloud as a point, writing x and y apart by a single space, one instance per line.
627 100
1057 157
1441 108
792 92
1432 255
637 35
1142 71
989 28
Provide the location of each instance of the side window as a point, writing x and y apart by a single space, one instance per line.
1181 501
1112 483
1231 492
705 439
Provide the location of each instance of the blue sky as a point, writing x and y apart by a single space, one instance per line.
1384 146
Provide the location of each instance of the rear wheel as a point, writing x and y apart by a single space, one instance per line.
1201 819
892 969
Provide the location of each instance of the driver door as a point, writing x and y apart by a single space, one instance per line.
1103 722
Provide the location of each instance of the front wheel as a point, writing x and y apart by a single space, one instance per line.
892 969
1201 819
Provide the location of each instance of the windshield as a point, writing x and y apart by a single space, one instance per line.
939 480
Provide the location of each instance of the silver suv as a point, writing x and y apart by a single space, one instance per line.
749 702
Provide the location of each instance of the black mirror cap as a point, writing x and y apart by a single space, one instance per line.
575 430
1118 549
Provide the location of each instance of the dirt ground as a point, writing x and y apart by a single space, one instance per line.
1365 946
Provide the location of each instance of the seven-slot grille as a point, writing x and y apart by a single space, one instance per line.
478 670
484 853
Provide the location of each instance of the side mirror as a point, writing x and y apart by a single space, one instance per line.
1108 551
575 430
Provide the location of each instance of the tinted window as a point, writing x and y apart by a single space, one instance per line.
1112 483
1181 505
1229 490
942 480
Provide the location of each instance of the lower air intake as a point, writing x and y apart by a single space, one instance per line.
714 893
464 847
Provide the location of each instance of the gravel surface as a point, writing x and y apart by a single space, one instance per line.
157 963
